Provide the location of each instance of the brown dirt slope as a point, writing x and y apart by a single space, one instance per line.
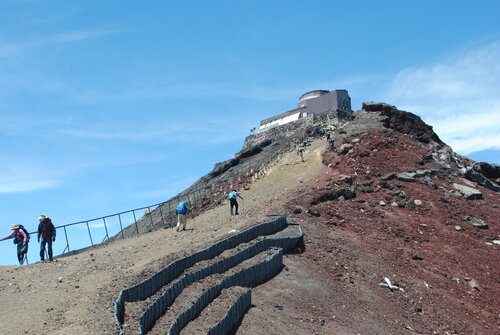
362 222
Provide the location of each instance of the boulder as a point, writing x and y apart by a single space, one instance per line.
406 176
480 179
340 194
468 192
344 148
313 212
345 179
475 222
417 256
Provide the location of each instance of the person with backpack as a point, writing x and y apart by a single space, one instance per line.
21 238
331 143
300 151
182 210
233 202
47 231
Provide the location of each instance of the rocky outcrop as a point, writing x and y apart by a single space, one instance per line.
484 174
404 122
468 192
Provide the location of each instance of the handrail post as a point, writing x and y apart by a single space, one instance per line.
189 202
169 211
135 222
66 235
121 227
106 228
161 213
151 217
90 235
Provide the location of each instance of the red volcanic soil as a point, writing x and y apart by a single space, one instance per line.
449 270
382 205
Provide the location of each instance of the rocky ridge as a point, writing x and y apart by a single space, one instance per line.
401 237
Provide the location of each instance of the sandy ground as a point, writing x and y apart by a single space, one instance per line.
74 295
452 287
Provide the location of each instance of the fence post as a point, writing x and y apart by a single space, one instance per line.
106 228
169 211
189 202
135 222
161 213
66 235
90 235
121 227
151 217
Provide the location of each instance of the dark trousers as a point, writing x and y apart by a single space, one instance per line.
233 203
47 241
22 250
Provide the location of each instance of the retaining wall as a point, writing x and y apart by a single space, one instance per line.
248 277
150 285
158 307
233 315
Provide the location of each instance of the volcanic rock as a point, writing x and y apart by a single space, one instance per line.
468 192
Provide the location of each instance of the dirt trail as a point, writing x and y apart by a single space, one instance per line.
448 267
74 295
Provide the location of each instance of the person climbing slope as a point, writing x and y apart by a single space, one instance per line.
182 210
21 238
47 232
233 195
300 151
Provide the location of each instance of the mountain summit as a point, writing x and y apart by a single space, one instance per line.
400 236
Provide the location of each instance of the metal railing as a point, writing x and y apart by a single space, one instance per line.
155 216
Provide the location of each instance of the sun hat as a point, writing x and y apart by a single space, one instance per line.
42 217
14 227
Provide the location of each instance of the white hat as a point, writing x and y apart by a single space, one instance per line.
42 217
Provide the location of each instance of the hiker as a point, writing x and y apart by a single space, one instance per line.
182 210
48 233
300 151
328 137
21 238
331 143
233 195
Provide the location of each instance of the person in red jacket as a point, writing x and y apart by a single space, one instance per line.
47 232
21 239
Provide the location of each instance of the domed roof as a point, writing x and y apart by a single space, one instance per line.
311 95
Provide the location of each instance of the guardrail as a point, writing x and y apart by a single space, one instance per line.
151 217
131 222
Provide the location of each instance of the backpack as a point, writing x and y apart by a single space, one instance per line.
181 208
46 227
232 195
18 238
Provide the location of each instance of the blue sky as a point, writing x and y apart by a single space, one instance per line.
107 106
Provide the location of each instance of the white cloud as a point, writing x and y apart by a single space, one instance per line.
13 49
16 178
459 97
